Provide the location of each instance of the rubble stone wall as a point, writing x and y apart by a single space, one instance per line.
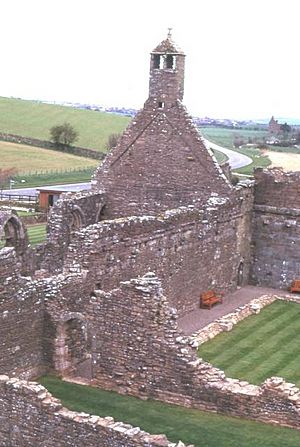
276 229
190 250
21 323
86 207
31 417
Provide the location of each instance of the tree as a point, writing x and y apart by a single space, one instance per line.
5 176
285 129
63 134
112 140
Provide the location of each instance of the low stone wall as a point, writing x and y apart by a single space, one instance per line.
31 417
227 322
74 150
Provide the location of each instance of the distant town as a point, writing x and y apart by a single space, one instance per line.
199 121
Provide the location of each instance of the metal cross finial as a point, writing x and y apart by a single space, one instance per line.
170 32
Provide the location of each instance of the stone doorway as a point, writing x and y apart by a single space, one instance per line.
72 353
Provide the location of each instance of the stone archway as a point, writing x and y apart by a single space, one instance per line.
12 233
100 214
72 349
77 219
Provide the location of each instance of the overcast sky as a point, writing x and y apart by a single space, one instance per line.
242 55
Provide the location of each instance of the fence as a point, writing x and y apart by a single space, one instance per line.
18 198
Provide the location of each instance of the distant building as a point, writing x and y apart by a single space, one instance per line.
274 126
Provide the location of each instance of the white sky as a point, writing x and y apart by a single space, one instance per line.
242 55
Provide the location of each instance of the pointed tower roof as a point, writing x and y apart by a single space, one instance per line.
168 46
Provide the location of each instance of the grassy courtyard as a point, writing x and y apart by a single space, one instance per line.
36 233
261 346
191 426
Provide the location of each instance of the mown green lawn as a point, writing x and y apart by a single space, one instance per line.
191 426
34 119
36 233
261 346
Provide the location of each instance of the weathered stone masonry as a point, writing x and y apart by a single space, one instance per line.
91 307
276 228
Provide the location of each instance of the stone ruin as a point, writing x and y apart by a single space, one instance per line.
100 299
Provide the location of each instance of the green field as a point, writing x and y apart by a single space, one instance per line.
190 426
261 346
34 119
225 137
36 234
53 178
29 159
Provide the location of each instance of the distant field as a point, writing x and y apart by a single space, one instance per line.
225 137
30 159
34 119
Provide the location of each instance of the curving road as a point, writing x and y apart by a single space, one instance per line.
235 159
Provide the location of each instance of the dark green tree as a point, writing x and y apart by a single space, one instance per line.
112 141
63 134
285 128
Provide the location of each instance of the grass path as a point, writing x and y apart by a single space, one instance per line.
261 346
191 426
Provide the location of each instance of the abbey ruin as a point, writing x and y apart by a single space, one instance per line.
101 298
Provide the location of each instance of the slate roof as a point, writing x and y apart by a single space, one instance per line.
168 46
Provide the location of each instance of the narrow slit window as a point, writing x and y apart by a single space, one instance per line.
161 104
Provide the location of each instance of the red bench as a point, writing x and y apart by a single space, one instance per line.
295 286
210 298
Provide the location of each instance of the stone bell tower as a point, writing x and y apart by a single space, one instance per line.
160 161
166 73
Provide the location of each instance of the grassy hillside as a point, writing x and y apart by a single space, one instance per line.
34 119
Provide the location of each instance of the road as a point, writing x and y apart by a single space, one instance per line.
33 191
235 159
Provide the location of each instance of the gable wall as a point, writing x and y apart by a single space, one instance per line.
160 163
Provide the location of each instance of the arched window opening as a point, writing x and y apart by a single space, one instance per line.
101 214
76 221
